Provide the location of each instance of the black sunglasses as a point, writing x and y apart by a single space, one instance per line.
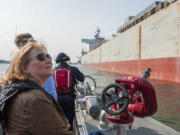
43 56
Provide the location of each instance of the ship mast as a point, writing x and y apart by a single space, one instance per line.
97 33
93 43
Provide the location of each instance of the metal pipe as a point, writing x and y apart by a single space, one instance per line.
103 123
119 129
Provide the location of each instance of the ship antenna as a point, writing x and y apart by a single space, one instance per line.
97 32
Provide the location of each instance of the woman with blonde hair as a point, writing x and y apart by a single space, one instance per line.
28 109
21 40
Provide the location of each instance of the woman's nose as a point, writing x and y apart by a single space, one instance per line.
49 61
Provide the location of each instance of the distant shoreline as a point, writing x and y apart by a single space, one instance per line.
4 61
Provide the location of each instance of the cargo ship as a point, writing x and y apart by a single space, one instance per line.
149 39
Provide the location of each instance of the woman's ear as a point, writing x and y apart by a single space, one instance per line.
25 69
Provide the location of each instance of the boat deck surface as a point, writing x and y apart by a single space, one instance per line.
141 126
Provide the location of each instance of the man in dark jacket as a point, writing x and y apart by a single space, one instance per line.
66 99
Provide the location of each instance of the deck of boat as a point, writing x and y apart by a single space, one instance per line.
141 126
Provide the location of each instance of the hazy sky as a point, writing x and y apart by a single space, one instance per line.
61 24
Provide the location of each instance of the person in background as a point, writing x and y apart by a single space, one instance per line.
66 77
20 41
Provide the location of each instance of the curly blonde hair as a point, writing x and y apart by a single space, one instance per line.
22 39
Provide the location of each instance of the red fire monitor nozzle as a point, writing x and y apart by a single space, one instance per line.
134 96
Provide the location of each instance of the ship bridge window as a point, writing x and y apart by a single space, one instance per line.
142 18
137 21
147 14
153 11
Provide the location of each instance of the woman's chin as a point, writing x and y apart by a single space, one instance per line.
49 72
